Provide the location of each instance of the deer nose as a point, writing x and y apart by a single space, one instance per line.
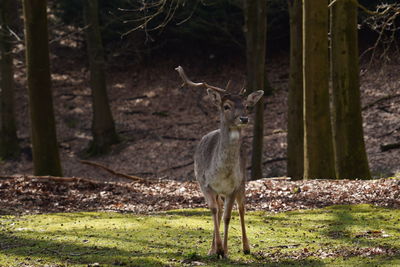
244 120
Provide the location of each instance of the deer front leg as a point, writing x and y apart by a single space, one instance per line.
229 201
241 208
220 210
212 200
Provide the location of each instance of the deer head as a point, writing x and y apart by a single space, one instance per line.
234 108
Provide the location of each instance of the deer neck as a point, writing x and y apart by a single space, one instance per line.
230 142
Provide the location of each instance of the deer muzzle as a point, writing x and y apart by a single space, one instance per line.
244 120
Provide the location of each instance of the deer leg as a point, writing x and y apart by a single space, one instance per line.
220 209
241 208
229 201
216 246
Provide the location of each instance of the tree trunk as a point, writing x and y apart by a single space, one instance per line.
255 31
9 148
318 143
103 128
46 159
295 135
350 155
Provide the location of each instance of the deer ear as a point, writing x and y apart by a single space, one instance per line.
215 97
254 97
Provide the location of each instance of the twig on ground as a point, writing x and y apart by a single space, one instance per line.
49 178
387 147
177 166
382 99
277 178
178 138
270 161
134 178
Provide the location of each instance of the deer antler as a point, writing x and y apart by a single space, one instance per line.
243 90
186 81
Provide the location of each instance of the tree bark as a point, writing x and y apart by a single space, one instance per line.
350 155
256 32
46 159
295 135
103 128
9 148
318 144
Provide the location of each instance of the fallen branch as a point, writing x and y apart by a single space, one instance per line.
270 161
136 97
134 178
274 160
387 147
178 138
380 100
177 166
49 178
277 178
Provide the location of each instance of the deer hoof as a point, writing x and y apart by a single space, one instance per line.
246 251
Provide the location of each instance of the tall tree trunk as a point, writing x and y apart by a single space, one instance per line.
350 154
46 159
103 128
318 143
295 135
9 148
256 32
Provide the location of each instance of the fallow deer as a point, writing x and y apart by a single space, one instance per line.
220 161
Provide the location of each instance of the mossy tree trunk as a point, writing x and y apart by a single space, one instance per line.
318 143
350 155
46 158
295 135
256 32
103 128
9 148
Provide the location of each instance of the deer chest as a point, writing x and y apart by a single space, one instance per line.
226 178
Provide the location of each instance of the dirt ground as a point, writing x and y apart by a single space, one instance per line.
160 124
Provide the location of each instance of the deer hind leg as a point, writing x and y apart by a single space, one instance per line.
241 208
228 204
213 203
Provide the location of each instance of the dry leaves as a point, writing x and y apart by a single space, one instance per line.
27 195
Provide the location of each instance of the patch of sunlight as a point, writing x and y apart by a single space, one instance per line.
354 235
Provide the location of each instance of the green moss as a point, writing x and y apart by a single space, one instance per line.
183 237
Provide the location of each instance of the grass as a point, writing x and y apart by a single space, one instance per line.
322 237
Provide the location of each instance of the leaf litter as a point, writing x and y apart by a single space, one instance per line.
26 195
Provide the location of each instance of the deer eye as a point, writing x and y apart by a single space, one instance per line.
249 108
227 107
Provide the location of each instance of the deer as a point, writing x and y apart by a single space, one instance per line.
220 161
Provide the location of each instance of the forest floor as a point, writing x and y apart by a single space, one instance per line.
80 222
159 123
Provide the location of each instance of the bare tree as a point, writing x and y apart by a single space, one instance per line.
350 155
9 148
295 135
256 32
318 144
103 129
46 159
